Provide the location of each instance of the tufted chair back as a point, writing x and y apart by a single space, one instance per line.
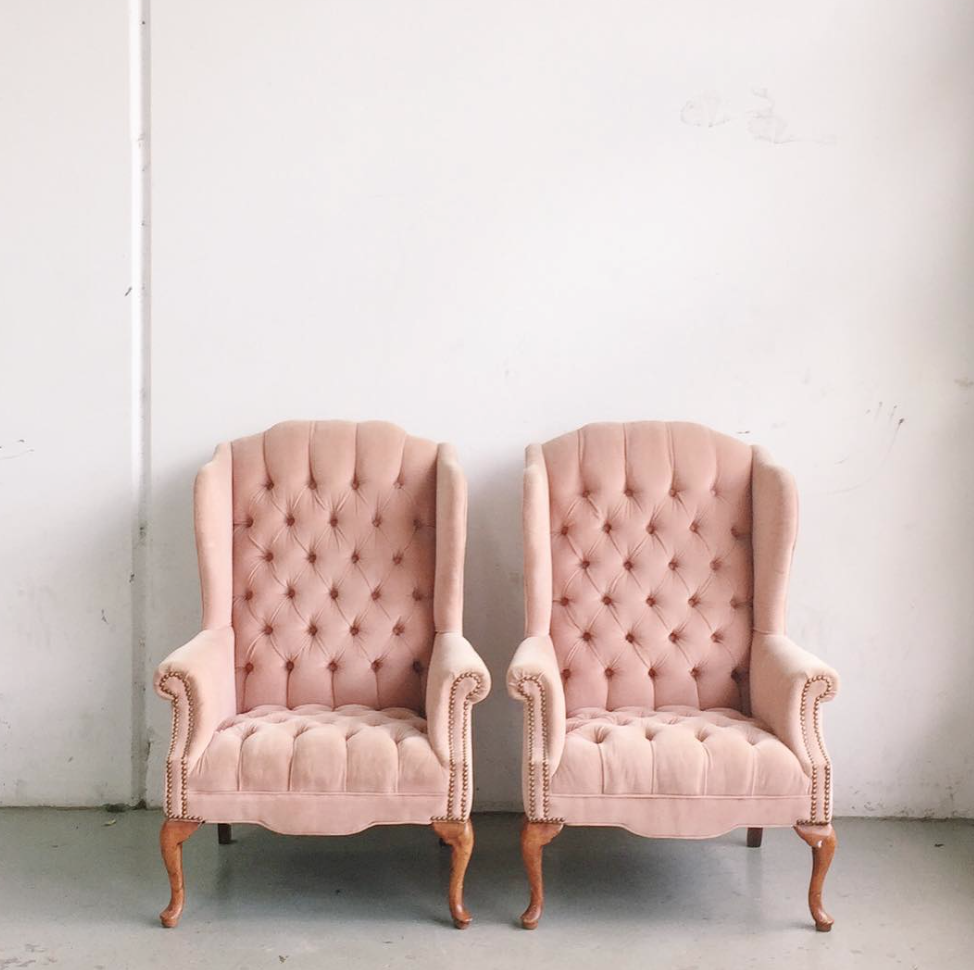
638 551
318 542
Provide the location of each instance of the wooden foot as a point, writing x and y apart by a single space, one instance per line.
458 835
171 838
822 840
534 837
754 838
224 833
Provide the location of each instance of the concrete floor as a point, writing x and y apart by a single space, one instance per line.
83 889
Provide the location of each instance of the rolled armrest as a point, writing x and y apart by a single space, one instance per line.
198 680
534 679
457 680
788 686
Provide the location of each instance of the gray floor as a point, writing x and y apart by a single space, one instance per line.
83 889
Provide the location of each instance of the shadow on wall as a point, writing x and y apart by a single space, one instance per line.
494 623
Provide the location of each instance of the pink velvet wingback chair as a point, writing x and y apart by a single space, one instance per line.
331 687
661 692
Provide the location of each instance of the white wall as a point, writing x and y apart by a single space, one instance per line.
65 411
493 222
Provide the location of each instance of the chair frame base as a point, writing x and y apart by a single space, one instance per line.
172 835
536 835
175 831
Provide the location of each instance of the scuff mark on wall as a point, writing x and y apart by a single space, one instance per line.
707 111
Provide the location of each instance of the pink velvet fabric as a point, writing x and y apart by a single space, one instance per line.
331 564
655 553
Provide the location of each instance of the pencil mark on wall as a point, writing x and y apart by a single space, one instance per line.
872 456
15 449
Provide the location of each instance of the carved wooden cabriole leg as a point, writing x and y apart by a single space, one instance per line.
175 831
224 833
754 838
534 837
458 835
822 840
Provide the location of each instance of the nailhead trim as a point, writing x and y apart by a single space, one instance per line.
190 730
465 780
826 763
545 764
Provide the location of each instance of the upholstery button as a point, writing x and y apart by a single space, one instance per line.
674 636
333 521
735 675
584 564
566 673
249 595
249 667
355 484
289 665
355 557
398 629
564 601
713 489
607 600
650 600
630 638
673 564
564 530
376 664
313 630
268 556
627 565
268 629
734 533
672 492
399 482
651 529
417 595
607 527
587 636
290 520
734 604
652 672
694 527
693 601
353 630
313 485
417 666
628 492
715 565
376 594
716 636
609 672
333 666
694 672
312 557
377 521
397 558
268 485
290 593
333 593
250 522
585 493
417 524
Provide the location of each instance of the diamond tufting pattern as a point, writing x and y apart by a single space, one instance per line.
651 565
333 565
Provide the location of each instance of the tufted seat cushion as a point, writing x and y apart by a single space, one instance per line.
313 748
674 751
675 772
